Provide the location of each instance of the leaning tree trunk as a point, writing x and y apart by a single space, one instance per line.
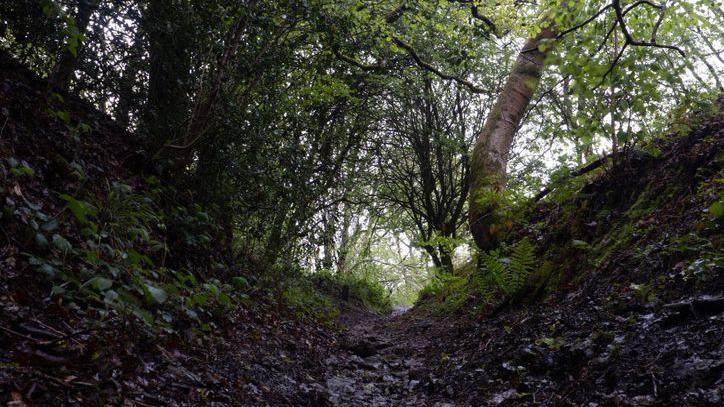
492 146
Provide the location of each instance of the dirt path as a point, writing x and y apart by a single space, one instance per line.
382 363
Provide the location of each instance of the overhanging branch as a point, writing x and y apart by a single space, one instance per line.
429 67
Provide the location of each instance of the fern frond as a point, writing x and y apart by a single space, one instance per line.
522 262
496 269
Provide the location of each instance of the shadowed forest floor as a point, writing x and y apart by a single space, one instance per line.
547 355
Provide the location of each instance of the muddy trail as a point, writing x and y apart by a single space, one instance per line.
382 362
567 355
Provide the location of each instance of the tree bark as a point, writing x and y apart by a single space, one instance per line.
167 109
446 260
492 147
68 61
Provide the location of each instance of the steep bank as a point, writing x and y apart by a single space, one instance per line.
117 290
623 304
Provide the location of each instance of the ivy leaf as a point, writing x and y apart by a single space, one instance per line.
61 243
47 269
240 282
716 210
158 295
50 225
99 283
81 209
41 241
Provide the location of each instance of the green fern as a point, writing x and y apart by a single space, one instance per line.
510 274
496 269
521 264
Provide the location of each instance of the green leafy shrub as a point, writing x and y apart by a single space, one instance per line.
307 301
114 262
353 289
446 293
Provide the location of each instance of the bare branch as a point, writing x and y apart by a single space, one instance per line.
658 23
627 35
577 26
577 173
613 65
352 61
492 28
395 14
639 3
429 67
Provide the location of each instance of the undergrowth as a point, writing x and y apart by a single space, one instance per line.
323 295
109 256
136 250
505 271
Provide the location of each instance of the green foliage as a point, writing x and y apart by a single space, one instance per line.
716 210
499 274
290 119
446 293
552 343
353 289
82 210
511 273
20 169
580 244
307 301
643 293
116 263
130 216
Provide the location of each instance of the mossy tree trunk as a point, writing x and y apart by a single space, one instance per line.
492 146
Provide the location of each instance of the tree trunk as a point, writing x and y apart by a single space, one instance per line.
180 147
490 154
167 109
446 260
66 65
433 255
274 240
345 240
330 226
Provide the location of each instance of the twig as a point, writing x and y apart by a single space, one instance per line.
427 66
3 128
627 35
53 379
612 66
8 330
577 26
588 168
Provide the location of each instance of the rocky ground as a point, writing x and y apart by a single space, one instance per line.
582 354
630 311
381 363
